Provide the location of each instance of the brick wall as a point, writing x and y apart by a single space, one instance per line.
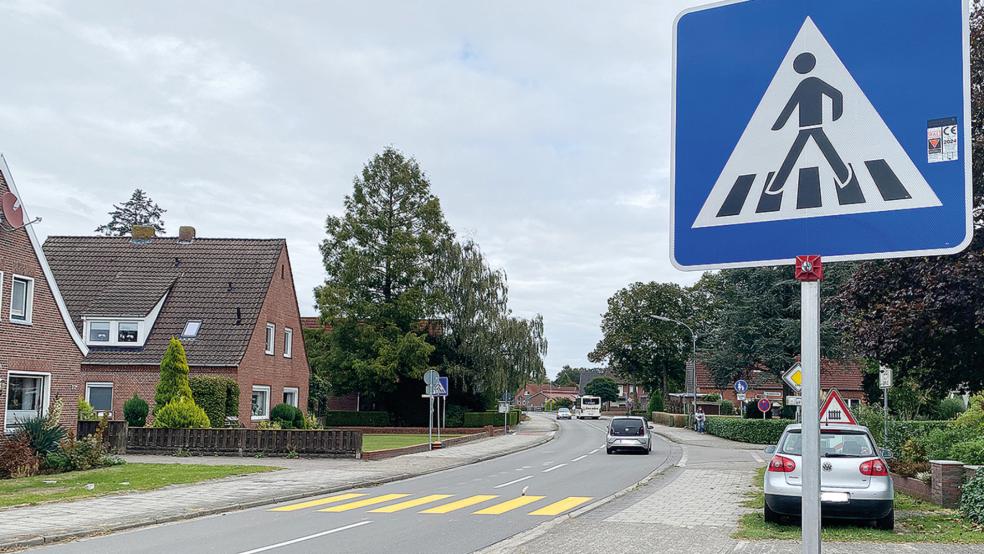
140 380
275 371
45 346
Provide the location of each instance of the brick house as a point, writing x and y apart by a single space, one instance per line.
41 350
535 397
231 302
844 375
627 389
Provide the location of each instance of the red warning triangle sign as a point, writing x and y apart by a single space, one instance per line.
935 143
835 410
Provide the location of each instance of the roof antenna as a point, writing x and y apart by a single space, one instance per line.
230 287
239 316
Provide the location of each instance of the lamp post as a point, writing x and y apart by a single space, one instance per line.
694 337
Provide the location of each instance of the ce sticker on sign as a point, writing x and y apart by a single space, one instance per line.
941 137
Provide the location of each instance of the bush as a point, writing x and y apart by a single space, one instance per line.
79 455
232 399
913 451
174 376
311 422
267 425
135 411
908 469
42 435
756 431
972 499
727 408
969 452
454 416
212 394
17 458
949 408
493 418
86 412
712 397
974 416
357 419
938 443
655 403
562 403
181 413
287 416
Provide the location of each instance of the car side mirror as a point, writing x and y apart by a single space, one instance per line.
887 454
651 426
771 449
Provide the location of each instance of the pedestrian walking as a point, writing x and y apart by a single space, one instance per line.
701 419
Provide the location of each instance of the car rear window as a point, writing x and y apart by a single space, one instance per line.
627 428
833 444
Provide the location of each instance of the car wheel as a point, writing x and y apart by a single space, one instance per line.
608 451
886 523
770 516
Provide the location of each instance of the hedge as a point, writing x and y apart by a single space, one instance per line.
669 420
494 418
357 419
756 431
215 396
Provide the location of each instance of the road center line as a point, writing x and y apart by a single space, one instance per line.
579 458
513 482
307 538
558 466
593 451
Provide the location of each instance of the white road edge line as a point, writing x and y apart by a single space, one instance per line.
579 458
593 451
513 482
307 538
558 466
683 459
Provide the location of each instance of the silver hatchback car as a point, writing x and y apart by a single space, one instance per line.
854 479
629 433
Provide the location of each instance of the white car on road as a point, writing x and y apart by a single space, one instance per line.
854 479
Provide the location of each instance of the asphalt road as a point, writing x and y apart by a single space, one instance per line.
470 507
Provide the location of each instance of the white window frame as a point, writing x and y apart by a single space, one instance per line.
297 395
288 342
99 384
260 388
114 332
270 339
28 300
45 396
197 331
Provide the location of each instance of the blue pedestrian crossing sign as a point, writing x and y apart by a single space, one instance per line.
831 127
741 386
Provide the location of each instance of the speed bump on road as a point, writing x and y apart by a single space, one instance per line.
340 504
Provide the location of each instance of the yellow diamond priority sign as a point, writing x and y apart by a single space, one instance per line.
794 377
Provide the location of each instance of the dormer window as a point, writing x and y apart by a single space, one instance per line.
114 333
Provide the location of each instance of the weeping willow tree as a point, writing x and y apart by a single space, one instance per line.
484 348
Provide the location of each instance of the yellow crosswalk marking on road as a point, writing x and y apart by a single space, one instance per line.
509 505
459 504
410 504
363 503
318 502
558 508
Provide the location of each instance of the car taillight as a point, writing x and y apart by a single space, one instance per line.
782 464
874 468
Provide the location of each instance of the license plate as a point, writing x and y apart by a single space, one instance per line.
834 497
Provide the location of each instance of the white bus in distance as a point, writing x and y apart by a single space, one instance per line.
587 407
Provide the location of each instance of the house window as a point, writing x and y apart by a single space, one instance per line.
191 329
127 331
100 395
290 396
261 402
288 343
22 299
271 329
27 397
99 331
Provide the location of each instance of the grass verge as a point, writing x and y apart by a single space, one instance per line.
371 443
915 521
123 478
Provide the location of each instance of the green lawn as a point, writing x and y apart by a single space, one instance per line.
915 521
122 478
372 443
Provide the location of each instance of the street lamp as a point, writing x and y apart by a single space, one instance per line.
694 336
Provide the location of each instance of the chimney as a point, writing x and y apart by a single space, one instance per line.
140 233
186 234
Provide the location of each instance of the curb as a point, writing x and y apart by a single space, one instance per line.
38 540
733 444
542 529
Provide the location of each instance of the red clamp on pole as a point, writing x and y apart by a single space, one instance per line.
809 268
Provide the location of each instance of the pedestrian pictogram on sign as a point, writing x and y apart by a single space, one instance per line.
835 410
814 164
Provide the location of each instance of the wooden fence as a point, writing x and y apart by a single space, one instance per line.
328 443
114 437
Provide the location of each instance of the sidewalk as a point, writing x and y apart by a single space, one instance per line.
300 478
680 435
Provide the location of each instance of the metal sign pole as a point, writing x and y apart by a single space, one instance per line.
438 419
430 422
885 430
810 358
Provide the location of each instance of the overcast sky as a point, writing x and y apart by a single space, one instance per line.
543 126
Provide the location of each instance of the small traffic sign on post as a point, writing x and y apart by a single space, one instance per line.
764 406
741 386
794 377
835 410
